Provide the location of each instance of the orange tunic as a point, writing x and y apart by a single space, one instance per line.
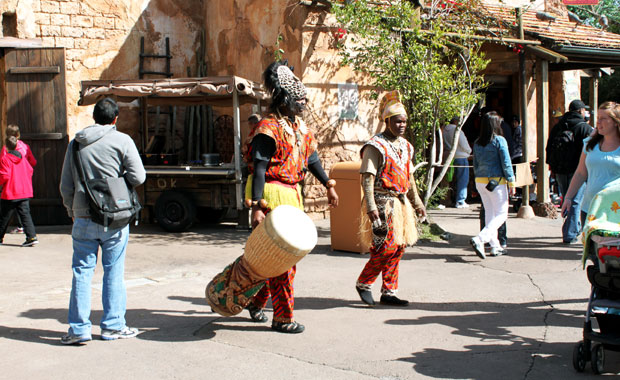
294 145
394 173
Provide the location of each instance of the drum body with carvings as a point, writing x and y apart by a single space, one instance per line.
231 291
278 243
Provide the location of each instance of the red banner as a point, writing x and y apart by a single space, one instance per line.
580 2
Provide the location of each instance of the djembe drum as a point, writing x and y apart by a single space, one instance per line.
285 236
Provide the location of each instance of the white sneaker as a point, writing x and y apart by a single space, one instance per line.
124 333
75 339
477 246
498 251
462 205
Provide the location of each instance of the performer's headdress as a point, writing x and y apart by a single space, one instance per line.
391 105
284 86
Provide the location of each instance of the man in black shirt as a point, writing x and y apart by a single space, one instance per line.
573 126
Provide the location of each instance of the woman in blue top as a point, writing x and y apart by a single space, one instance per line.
599 164
492 162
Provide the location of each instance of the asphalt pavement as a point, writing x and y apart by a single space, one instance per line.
510 317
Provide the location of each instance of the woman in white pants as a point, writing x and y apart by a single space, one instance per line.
494 180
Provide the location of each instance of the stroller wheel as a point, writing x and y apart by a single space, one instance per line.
579 357
598 359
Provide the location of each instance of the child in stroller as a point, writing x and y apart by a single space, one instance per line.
601 236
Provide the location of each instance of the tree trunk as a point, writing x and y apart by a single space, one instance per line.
432 185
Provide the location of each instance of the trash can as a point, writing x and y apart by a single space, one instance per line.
344 219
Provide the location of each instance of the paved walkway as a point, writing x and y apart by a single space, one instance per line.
510 317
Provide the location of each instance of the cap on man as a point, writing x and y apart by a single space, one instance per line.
577 106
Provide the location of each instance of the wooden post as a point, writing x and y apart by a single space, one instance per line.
3 100
237 158
596 74
542 133
144 124
525 211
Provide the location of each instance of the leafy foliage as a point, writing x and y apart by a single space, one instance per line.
278 52
429 56
609 86
591 14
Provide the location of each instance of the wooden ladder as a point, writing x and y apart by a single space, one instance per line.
149 143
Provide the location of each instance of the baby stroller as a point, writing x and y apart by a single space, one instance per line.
602 247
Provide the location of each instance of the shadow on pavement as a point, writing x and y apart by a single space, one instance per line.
223 235
474 362
494 322
165 325
487 321
535 247
32 335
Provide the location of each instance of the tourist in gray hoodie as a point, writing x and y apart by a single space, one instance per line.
105 152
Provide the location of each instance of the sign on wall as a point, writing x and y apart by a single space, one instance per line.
348 100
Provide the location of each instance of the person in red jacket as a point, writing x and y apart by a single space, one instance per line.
24 149
16 180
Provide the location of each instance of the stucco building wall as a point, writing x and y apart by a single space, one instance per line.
242 41
22 15
102 41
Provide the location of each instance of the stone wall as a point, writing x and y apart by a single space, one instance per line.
242 40
340 139
102 41
23 15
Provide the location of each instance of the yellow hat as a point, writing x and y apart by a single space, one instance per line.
391 105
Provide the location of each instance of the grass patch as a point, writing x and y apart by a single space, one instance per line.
431 232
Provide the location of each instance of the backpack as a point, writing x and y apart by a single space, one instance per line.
561 152
113 203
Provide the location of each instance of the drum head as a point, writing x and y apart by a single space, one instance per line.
293 227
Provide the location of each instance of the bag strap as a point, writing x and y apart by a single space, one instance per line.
77 159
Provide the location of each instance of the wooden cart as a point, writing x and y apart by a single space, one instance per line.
175 191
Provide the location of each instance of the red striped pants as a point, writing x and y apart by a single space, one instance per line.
281 290
384 259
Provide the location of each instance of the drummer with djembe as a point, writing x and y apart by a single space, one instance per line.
280 149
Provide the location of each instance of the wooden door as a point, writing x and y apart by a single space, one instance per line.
35 100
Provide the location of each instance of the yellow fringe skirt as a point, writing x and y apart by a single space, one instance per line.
275 194
395 215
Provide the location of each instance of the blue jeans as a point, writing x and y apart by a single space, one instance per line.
87 238
572 224
461 179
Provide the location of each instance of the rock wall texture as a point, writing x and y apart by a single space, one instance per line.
102 40
242 40
23 15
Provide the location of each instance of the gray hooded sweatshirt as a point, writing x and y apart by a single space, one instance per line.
105 153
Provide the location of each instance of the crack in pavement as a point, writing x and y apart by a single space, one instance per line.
545 320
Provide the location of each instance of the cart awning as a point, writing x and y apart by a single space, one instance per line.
177 91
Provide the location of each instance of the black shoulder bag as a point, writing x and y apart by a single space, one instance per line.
113 202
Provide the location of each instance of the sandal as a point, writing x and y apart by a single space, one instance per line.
257 314
288 328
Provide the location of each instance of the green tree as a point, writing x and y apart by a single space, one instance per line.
431 57
609 85
592 14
